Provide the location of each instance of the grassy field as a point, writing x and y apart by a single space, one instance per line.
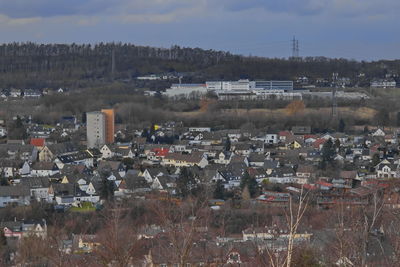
85 207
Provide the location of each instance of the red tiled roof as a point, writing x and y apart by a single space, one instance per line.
160 152
309 187
324 183
319 142
285 133
37 141
306 136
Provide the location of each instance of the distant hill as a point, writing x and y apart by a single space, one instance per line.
51 65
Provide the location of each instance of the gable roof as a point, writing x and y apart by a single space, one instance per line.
14 191
39 142
35 182
194 157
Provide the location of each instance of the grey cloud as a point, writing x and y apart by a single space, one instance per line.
51 8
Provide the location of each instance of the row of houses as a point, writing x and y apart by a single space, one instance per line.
28 93
226 156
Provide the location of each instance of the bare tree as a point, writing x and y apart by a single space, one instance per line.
182 223
294 218
118 239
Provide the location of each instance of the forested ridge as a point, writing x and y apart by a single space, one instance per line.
77 65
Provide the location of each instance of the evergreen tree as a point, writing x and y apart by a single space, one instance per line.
342 126
3 241
337 144
107 189
227 145
249 183
152 129
4 181
219 192
375 159
186 183
328 152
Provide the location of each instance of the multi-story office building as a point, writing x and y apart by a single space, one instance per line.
272 85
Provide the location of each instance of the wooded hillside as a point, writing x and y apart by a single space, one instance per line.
52 65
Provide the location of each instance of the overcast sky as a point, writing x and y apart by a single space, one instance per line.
359 29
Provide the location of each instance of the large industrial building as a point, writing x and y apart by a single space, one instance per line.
99 128
219 87
242 85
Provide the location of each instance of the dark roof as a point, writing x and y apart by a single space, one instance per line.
35 182
63 148
44 166
301 129
133 182
77 156
16 191
254 157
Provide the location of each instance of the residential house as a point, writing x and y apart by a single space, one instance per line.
49 152
301 130
305 171
19 152
20 229
243 149
224 158
38 186
378 132
164 183
15 195
108 167
231 175
256 160
150 174
84 243
77 158
3 132
32 93
42 169
15 93
185 160
385 170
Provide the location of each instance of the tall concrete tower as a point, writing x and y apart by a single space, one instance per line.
95 129
109 114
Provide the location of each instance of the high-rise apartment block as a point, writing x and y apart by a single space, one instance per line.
109 114
99 128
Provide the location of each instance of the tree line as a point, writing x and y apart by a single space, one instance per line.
50 65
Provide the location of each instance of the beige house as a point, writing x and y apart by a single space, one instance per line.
185 160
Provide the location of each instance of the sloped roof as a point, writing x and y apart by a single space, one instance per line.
14 191
39 142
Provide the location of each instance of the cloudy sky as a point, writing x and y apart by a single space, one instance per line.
359 29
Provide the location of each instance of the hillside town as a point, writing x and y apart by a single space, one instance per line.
75 167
